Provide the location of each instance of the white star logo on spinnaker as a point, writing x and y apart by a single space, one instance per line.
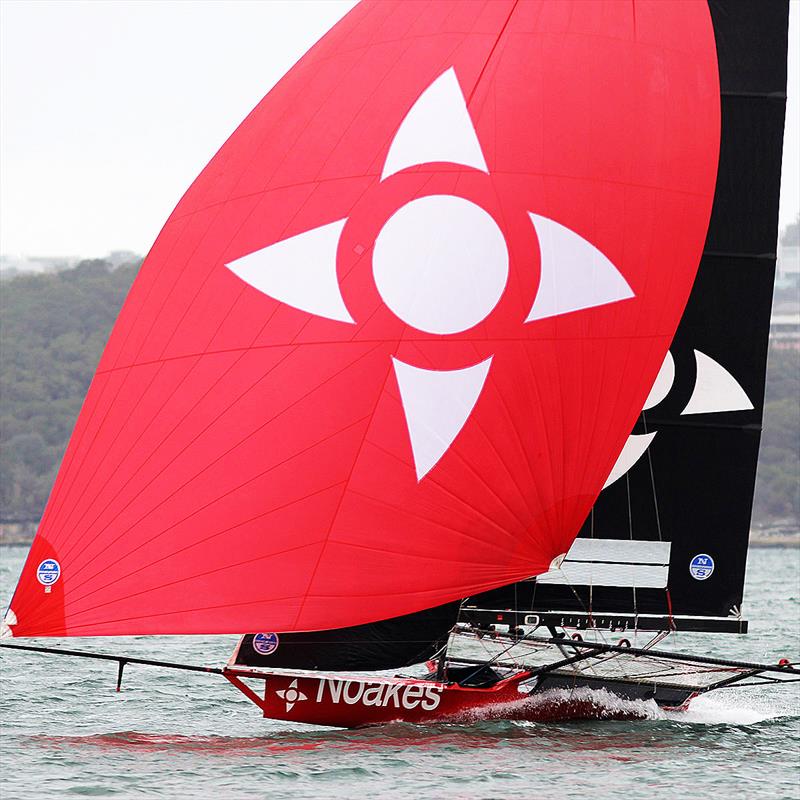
291 695
440 264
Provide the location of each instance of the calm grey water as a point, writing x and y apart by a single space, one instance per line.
66 733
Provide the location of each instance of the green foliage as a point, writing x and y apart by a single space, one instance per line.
778 484
52 330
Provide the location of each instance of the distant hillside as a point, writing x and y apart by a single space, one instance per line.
778 482
53 329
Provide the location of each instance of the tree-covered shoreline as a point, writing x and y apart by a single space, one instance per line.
52 331
53 328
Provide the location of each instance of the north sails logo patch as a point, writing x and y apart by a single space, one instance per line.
266 643
701 566
48 572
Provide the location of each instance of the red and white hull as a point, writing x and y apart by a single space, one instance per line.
356 702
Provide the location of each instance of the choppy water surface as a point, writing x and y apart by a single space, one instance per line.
65 732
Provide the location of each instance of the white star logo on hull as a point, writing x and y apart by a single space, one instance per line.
440 264
291 695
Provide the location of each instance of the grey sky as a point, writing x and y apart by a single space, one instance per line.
109 110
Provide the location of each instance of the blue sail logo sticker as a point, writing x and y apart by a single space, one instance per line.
48 572
701 566
265 643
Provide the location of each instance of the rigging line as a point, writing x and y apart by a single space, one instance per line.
590 421
194 543
476 423
491 660
249 560
669 655
653 481
70 474
149 274
491 53
533 594
167 399
184 448
479 641
619 385
222 455
420 339
408 513
182 613
656 509
543 426
541 173
280 121
436 559
598 631
444 489
471 468
591 583
152 325
177 279
244 220
520 447
389 370
63 523
630 533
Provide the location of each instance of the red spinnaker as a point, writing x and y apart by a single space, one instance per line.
303 434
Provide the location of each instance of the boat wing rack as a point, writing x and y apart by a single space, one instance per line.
610 664
609 621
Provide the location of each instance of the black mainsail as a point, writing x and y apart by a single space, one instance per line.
668 538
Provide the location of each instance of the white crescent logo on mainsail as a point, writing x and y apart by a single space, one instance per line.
715 390
440 264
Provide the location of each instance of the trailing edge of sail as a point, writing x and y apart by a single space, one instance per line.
245 457
691 489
